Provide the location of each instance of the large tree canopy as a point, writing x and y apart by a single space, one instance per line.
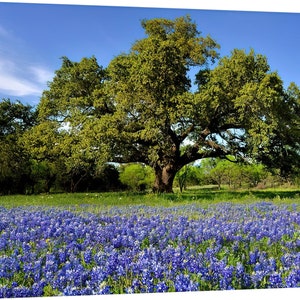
145 107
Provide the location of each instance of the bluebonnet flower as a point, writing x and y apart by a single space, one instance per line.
79 252
293 279
161 287
3 241
97 275
158 270
21 292
272 264
253 257
226 278
88 256
38 289
257 278
135 286
242 277
147 282
103 290
62 255
275 280
183 283
287 260
71 291
51 264
210 254
5 292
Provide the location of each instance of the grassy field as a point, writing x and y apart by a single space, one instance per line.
203 196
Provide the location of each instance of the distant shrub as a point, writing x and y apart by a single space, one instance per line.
137 177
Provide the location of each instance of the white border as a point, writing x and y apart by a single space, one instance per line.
236 5
289 6
275 294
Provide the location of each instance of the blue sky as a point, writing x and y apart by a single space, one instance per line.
33 37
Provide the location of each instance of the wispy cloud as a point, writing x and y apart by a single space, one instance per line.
19 75
17 79
41 74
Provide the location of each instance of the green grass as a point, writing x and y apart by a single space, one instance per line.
203 196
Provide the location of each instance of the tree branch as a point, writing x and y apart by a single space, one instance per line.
186 133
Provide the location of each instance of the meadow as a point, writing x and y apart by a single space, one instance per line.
114 243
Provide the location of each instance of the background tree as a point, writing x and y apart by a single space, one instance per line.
107 179
182 177
236 174
253 174
64 135
43 176
15 119
283 152
221 173
189 175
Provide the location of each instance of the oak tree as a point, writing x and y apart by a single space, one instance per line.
148 107
160 120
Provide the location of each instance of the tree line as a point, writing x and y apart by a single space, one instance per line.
147 108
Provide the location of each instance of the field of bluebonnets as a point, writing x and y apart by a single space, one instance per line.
52 245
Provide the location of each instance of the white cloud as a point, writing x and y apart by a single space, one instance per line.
41 74
19 75
13 86
18 79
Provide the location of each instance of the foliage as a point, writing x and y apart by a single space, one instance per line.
283 153
221 172
63 133
42 157
189 175
182 176
15 119
254 174
137 177
237 175
107 179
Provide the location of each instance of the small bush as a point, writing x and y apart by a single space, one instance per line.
137 177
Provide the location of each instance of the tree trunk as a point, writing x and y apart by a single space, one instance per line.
164 177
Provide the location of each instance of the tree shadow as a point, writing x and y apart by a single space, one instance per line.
214 194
